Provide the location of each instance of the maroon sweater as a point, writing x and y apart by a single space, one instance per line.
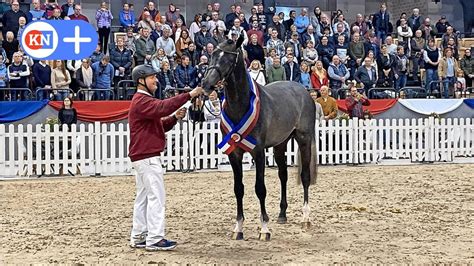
149 118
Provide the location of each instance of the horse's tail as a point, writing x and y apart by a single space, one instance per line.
313 167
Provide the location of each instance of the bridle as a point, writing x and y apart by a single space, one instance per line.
216 68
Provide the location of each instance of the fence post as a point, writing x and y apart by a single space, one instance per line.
97 149
355 140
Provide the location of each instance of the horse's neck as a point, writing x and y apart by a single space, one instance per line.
237 94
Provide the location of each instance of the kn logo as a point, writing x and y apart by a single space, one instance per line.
59 40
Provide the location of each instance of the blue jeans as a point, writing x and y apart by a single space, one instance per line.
431 75
400 82
447 82
43 94
102 95
381 35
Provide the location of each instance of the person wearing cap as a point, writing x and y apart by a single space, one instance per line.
202 38
442 25
149 118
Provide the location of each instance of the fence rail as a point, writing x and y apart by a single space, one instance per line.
102 149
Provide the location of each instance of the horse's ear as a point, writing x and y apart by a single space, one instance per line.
240 40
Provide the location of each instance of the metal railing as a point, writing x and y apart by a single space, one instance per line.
125 89
95 94
28 96
54 91
413 92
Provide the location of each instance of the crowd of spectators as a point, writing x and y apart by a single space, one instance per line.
323 51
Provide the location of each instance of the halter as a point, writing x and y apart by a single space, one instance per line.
221 76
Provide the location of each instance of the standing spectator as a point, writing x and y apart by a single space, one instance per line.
404 35
10 19
391 47
212 109
310 35
209 50
202 38
18 74
287 23
214 23
354 103
342 49
130 41
452 44
292 69
382 19
103 74
269 58
448 67
310 54
417 46
84 77
77 14
295 44
256 72
256 30
289 51
166 76
3 76
230 17
386 63
158 58
201 69
467 66
276 43
237 29
182 44
432 56
328 104
10 45
195 26
177 29
356 53
302 21
316 17
121 60
338 74
305 78
60 80
127 17
171 15
428 30
192 54
402 16
36 13
97 54
319 77
447 35
104 18
218 36
319 108
67 9
207 15
67 115
360 22
415 20
325 51
339 31
147 22
243 22
185 74
262 18
150 8
343 23
21 28
255 50
400 69
145 47
324 24
442 26
278 26
366 75
276 72
72 66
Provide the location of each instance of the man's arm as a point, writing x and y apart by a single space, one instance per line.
153 108
169 122
334 109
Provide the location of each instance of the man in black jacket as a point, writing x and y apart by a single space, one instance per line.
366 75
292 69
68 9
10 19
121 59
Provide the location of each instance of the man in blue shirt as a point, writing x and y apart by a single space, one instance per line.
102 76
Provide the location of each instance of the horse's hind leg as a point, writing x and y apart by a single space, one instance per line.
304 144
280 158
235 159
261 191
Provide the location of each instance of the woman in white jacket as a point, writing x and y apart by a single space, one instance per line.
256 73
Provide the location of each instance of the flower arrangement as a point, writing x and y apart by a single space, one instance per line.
344 117
368 114
51 121
435 115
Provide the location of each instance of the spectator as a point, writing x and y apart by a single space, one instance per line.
196 111
325 51
182 44
452 44
319 77
382 19
238 30
319 108
209 50
338 74
256 72
60 80
192 54
104 18
402 16
158 58
185 74
447 35
202 38
214 23
276 72
372 42
295 44
460 87
344 25
428 30
21 27
255 50
201 69
400 69
287 23
230 17
36 13
340 32
292 69
243 22
391 47
56 14
354 103
432 56
278 26
448 67
328 104
72 66
49 7
3 76
417 46
67 115
262 18
289 51
324 24
68 8
218 36
442 26
415 20
97 54
276 43
166 76
171 15
310 54
310 35
404 34
145 47
386 63
103 74
84 78
360 22
196 25
302 21
177 29
366 75
467 66
256 30
305 79
269 58
121 60
126 17
130 41
154 13
207 15
212 108
10 19
356 53
147 22
77 14
18 74
293 30
342 49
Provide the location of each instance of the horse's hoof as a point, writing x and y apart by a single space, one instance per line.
264 237
306 225
237 236
281 220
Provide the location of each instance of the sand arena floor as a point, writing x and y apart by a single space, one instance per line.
403 214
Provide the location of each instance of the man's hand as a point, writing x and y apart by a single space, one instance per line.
181 113
196 92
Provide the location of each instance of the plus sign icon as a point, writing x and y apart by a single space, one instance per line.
59 40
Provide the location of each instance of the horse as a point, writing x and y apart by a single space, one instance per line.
286 111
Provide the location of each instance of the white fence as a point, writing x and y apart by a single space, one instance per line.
103 148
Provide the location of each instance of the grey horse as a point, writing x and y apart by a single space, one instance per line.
286 111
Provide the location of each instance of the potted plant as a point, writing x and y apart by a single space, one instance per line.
51 121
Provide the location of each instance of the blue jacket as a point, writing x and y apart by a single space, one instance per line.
127 22
185 76
4 74
301 23
102 75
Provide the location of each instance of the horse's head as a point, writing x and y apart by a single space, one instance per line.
222 63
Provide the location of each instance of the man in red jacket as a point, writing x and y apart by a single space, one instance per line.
149 118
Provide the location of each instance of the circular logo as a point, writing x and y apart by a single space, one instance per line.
39 40
235 137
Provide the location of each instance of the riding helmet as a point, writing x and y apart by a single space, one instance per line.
142 71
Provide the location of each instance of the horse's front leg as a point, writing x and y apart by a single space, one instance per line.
261 191
235 159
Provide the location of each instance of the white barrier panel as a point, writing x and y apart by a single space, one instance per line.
102 149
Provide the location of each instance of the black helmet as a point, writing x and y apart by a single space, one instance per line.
142 71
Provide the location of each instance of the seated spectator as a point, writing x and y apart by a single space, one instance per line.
257 31
400 69
417 48
292 69
84 78
214 23
325 25
195 26
442 26
338 74
56 15
428 31
294 43
269 58
345 26
292 31
404 35
10 19
60 80
276 43
42 79
432 56
289 51
185 74
415 20
127 17
372 42
212 110
277 25
391 47
130 41
36 13
166 77
77 14
302 21
67 9
10 45
104 19
448 67
193 55
452 44
150 8
171 15
96 55
167 43
328 104
209 50
256 72
291 20
201 69
218 36
103 74
182 44
67 115
305 79
147 22
310 35
340 31
354 103
255 50
366 75
121 60
360 22
276 72
319 77
177 29
386 63
237 29
158 58
342 49
145 47
310 54
467 66
325 51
